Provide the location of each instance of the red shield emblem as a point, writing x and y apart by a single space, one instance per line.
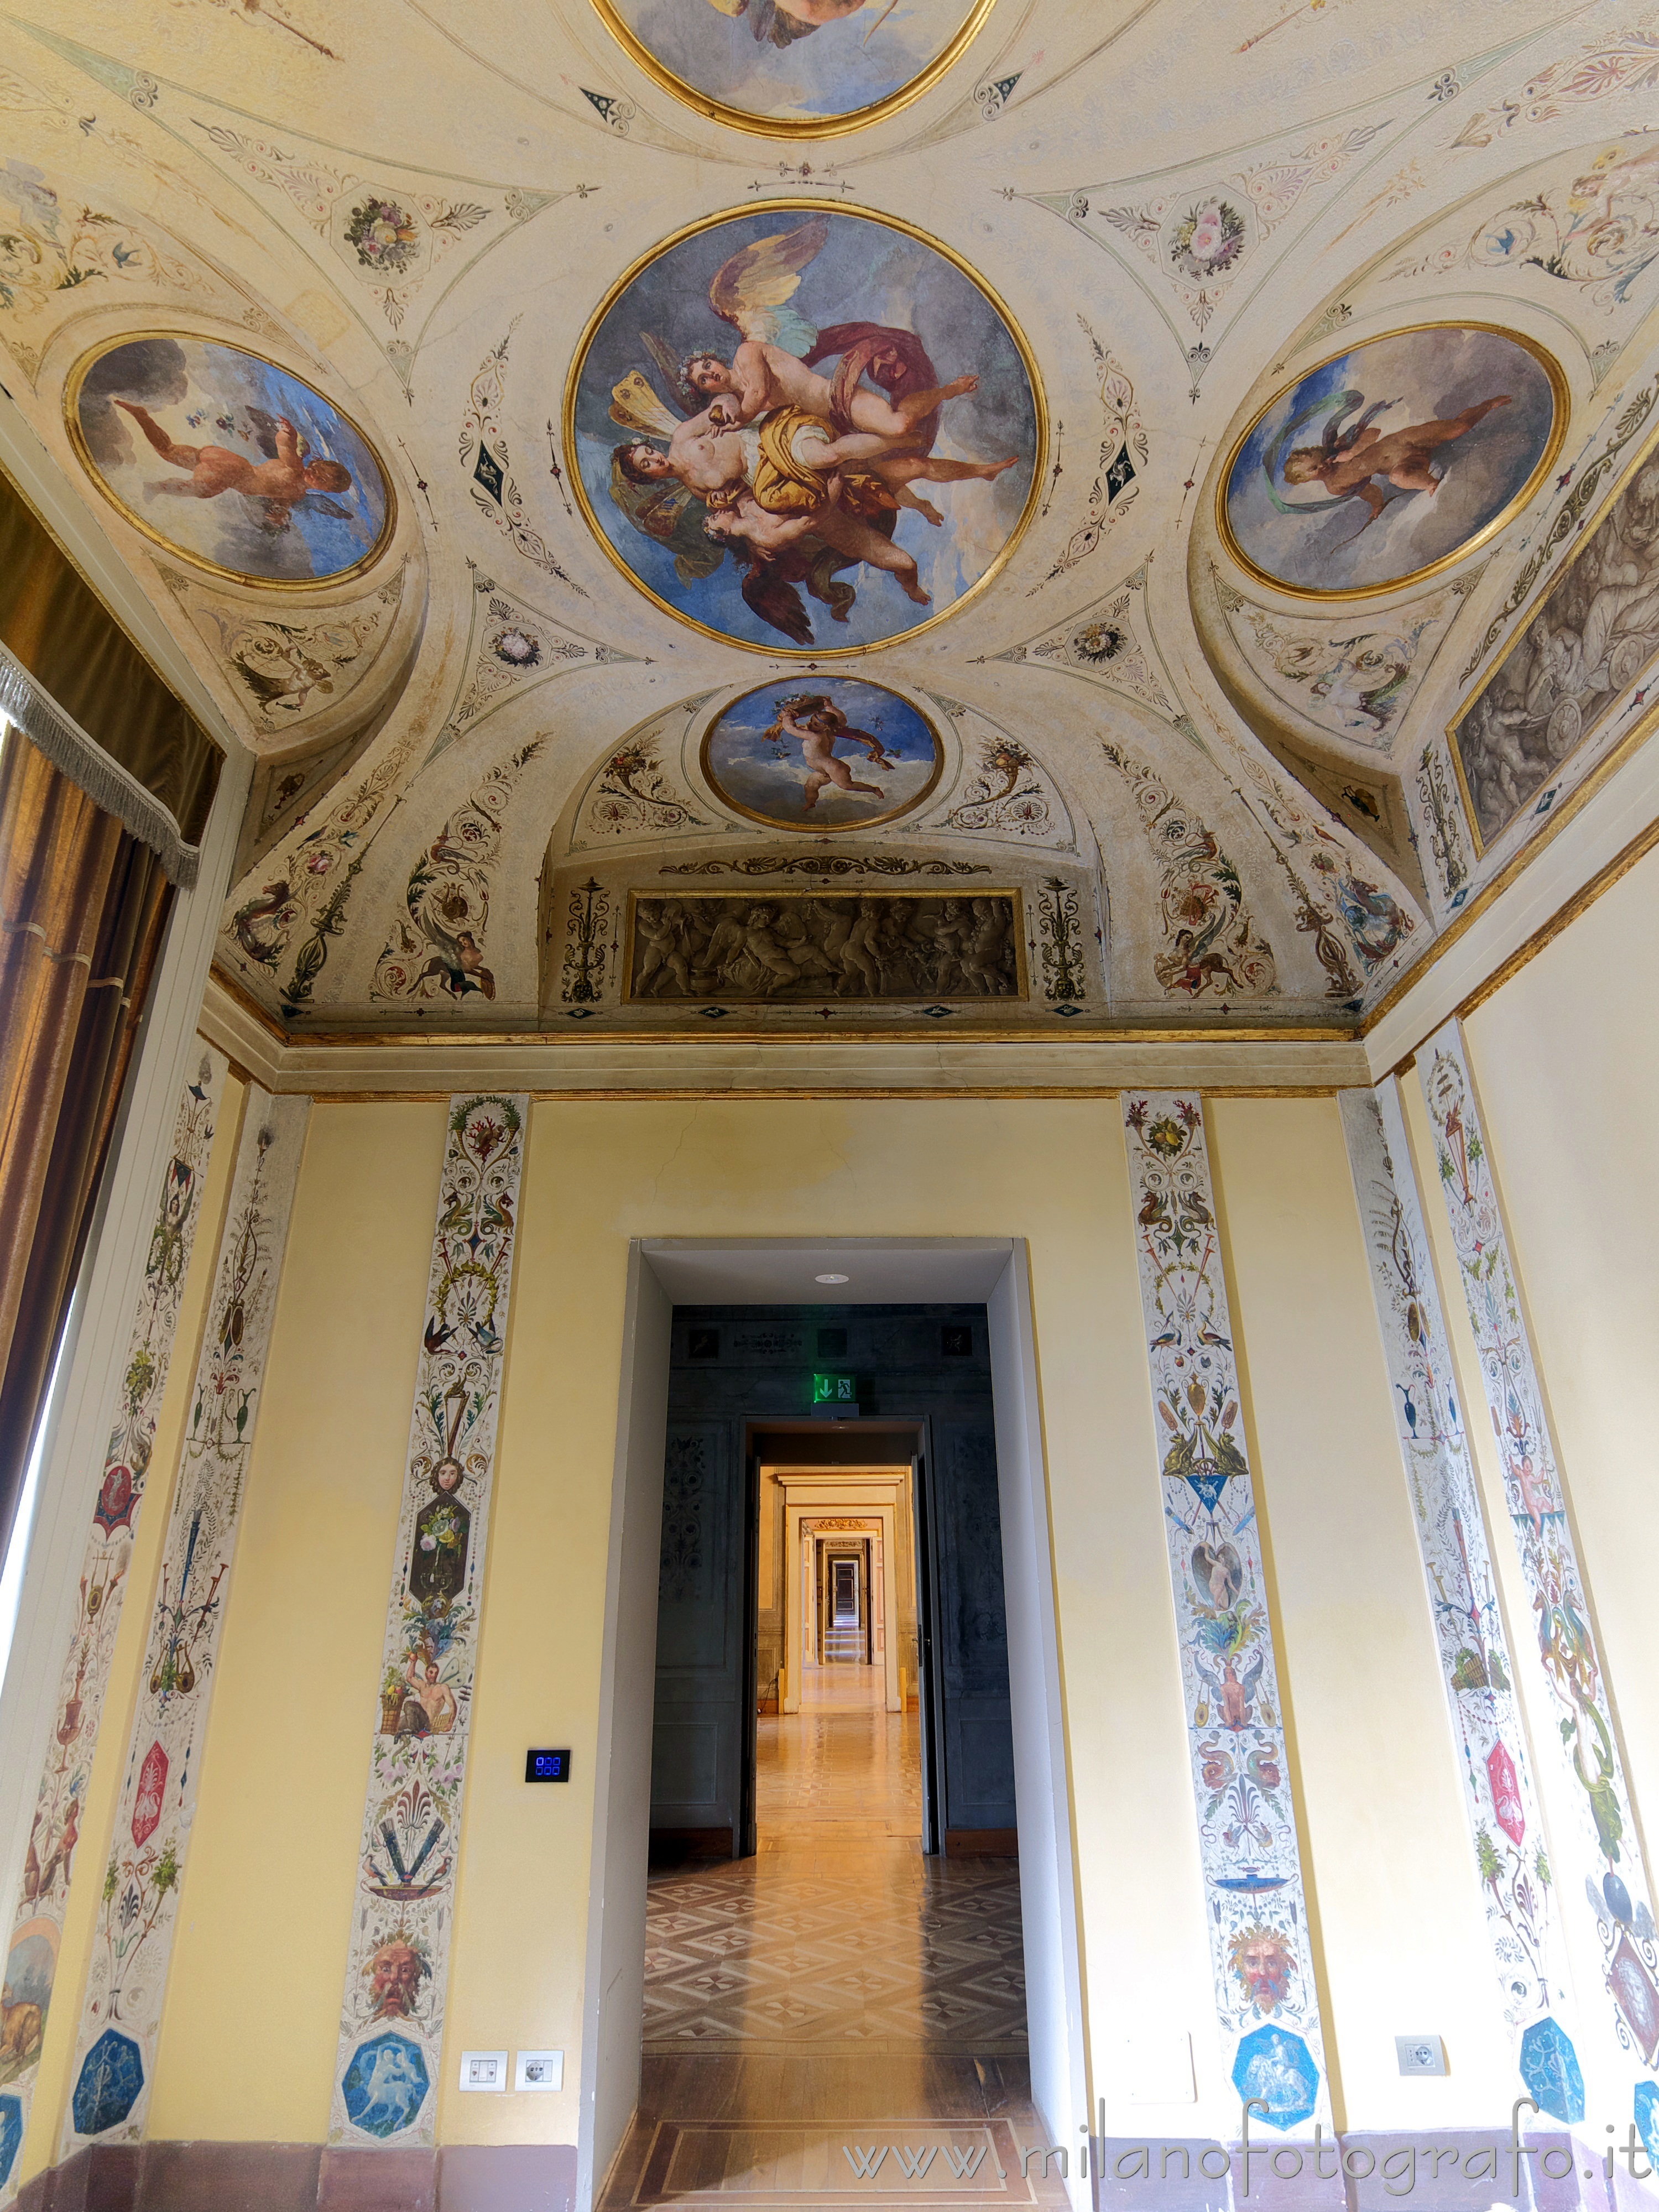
152 1786
1506 1794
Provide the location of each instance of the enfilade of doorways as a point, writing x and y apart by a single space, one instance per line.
835 1963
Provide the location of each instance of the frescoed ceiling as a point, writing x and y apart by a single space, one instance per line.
1177 532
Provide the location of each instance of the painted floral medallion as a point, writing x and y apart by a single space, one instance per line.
795 68
832 754
1391 459
228 461
804 430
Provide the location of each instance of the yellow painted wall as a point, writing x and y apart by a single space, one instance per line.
1566 1063
1391 1866
103 1791
249 2035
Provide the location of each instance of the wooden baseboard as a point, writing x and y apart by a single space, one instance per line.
674 1846
981 1843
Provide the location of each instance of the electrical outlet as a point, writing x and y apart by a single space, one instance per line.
1420 2054
540 2069
484 2070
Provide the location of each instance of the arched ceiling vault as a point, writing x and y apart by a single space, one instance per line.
1181 737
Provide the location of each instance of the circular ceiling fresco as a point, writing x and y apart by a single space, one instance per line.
840 754
230 462
800 429
1391 459
795 69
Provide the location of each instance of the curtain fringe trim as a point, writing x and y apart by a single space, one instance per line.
91 769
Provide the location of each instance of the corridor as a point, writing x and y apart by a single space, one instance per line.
837 1988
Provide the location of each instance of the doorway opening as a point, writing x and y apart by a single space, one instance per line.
835 1877
841 1769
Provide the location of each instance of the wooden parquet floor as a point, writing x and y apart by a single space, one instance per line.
836 1998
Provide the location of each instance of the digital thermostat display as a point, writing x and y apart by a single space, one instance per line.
547 1766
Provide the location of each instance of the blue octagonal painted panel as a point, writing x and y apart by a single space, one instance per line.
1275 2064
1647 2117
111 2075
386 2084
1549 2067
11 2135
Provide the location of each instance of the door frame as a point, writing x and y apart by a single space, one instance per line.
663 1272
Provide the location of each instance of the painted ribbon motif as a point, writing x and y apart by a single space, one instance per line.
1512 1862
391 2019
1606 1853
1267 2005
60 1799
132 1940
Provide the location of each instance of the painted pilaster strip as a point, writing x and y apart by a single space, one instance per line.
132 1940
1512 1862
60 1796
1606 1900
391 2018
1260 1953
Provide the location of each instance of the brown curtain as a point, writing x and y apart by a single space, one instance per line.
82 905
95 700
105 787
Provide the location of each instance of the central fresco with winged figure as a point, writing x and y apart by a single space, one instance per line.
1177 484
806 429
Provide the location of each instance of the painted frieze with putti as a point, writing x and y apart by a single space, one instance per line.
1600 1859
391 2018
1260 1950
66 1774
1511 1859
120 2024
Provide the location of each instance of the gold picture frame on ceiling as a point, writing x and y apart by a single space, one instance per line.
1555 593
74 390
1513 504
716 777
784 205
795 128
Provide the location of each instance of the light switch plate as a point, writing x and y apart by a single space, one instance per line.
484 2070
1420 2054
540 2069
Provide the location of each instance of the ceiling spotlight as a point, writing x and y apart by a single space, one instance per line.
831 1278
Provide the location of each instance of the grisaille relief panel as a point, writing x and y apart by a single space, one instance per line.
746 947
1575 672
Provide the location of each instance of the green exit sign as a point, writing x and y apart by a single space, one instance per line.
835 1390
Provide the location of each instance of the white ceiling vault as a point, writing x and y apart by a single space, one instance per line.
1169 745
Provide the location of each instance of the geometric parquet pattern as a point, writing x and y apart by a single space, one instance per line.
835 1993
838 1934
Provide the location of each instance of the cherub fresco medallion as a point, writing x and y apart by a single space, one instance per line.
795 68
804 430
1390 460
230 461
833 753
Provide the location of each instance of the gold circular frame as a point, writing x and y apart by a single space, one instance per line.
1506 514
781 206
822 828
793 127
78 377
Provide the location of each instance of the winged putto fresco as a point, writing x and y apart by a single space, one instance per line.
807 456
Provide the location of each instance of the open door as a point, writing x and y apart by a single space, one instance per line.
926 1689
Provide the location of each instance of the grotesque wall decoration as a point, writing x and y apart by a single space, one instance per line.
230 461
723 481
1385 462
